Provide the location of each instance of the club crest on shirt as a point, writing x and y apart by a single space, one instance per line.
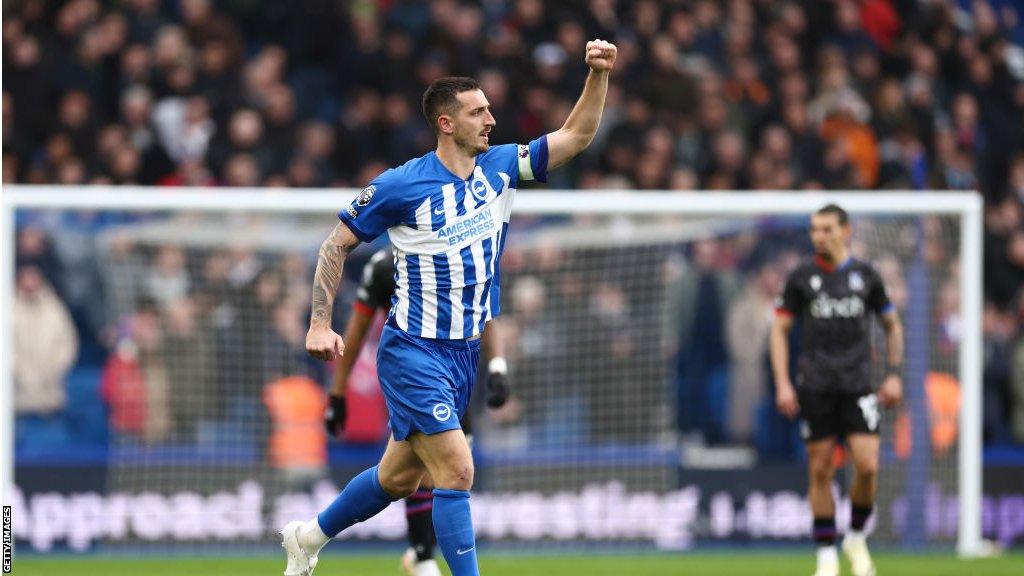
366 195
479 187
352 212
815 282
856 282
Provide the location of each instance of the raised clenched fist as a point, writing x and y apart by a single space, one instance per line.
600 55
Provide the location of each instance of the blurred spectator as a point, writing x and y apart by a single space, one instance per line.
297 444
123 388
242 170
610 345
315 146
1004 266
284 344
35 248
999 331
184 127
194 396
697 305
45 345
245 135
206 27
135 382
668 87
279 125
748 326
122 272
537 343
167 280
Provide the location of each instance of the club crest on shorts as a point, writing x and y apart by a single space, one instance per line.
856 282
815 282
366 195
442 412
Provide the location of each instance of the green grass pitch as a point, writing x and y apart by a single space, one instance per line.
716 564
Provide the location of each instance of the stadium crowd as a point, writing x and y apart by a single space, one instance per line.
737 94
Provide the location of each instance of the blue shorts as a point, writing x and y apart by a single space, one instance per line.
427 383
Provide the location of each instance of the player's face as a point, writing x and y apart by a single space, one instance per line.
828 235
472 123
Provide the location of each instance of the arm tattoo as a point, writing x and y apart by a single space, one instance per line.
328 274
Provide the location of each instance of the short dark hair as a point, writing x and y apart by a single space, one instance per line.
441 97
835 209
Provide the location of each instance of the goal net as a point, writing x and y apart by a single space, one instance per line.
636 326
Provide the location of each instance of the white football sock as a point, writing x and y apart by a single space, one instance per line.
427 568
312 536
828 556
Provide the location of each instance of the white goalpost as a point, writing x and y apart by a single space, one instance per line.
661 225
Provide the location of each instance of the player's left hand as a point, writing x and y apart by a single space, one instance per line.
497 389
335 415
891 392
600 55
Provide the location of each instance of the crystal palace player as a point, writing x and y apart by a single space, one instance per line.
376 291
834 296
447 215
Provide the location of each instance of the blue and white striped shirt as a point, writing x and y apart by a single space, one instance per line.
448 235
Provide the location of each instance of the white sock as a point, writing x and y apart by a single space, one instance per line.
855 534
312 536
827 556
427 568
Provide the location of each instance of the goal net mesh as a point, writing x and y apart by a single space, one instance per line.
642 410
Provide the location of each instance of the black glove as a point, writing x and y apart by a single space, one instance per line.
497 389
334 416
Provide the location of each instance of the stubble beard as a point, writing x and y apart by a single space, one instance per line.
470 145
